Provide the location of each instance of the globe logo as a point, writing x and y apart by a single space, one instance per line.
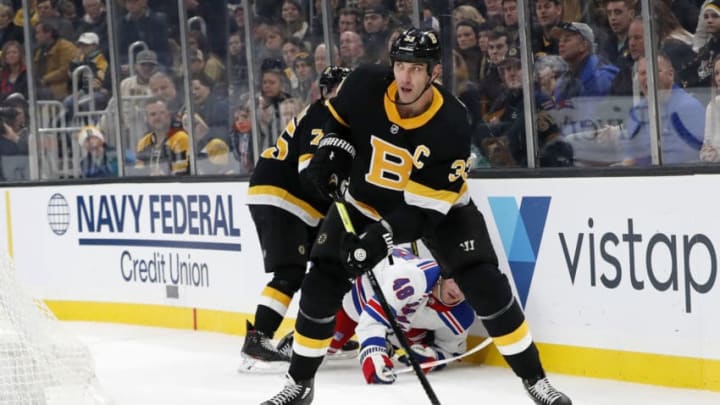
58 214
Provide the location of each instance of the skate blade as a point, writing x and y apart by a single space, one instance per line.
343 355
251 365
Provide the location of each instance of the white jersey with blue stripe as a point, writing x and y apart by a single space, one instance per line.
407 286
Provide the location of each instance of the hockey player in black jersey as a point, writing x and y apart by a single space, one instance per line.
404 142
286 218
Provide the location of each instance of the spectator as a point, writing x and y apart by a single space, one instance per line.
289 108
549 14
502 134
510 20
303 69
95 20
273 93
273 41
707 42
240 140
490 80
213 66
494 11
146 63
587 75
290 50
350 19
320 63
352 50
467 37
211 106
404 12
49 13
164 149
13 71
96 161
682 120
52 62
548 69
197 62
376 22
13 134
163 86
620 14
710 151
686 12
237 66
89 54
465 13
294 23
142 24
237 19
8 30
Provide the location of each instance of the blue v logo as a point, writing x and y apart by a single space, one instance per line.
521 232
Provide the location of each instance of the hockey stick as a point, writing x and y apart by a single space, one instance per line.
347 223
429 364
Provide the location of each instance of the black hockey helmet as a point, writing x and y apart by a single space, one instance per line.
417 45
330 77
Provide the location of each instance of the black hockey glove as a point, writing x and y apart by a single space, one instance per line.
362 253
330 165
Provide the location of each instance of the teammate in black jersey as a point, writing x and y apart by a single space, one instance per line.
404 143
286 218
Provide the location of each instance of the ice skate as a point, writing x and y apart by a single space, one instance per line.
294 393
348 351
259 355
543 393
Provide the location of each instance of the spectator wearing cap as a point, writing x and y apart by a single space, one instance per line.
707 42
49 12
88 54
504 124
96 161
587 75
376 23
95 20
142 24
303 68
549 14
146 63
467 34
13 71
51 62
8 30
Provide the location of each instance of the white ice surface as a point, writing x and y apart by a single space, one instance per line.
142 365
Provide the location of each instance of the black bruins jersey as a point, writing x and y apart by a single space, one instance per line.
276 180
169 158
422 161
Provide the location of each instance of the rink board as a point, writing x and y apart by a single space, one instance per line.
617 275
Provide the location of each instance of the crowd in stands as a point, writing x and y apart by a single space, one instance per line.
589 78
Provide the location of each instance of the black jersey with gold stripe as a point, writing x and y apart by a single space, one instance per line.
275 180
420 161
